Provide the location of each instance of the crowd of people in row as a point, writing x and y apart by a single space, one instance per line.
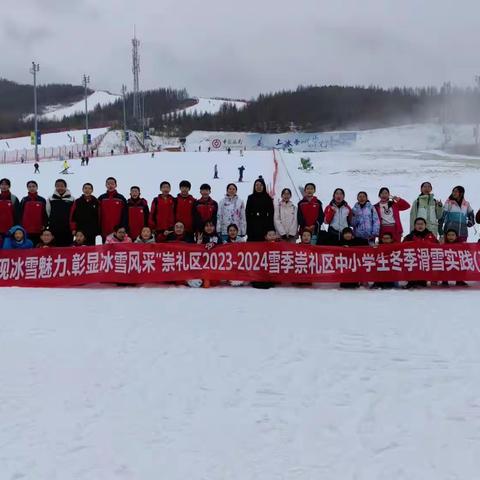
62 221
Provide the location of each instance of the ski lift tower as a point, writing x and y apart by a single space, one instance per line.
136 73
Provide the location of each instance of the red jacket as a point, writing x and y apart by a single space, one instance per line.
204 211
113 212
33 213
162 213
397 207
137 216
184 211
310 212
427 237
9 211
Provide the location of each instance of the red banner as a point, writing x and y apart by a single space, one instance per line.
269 262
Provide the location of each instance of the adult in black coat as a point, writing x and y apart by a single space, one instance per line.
84 215
259 212
59 206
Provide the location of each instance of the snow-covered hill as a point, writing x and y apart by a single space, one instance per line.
211 105
50 139
57 112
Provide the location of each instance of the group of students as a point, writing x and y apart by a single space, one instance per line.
62 221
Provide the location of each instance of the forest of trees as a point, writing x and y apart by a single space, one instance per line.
308 108
333 107
16 101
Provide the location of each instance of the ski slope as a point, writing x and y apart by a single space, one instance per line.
147 172
50 139
312 383
99 97
211 105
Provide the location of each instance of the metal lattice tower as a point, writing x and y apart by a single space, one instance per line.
136 72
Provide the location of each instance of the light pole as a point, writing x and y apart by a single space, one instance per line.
476 130
124 91
34 70
85 82
143 116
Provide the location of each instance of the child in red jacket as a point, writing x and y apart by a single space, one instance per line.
138 212
33 212
451 237
204 209
310 212
162 213
184 204
420 233
113 208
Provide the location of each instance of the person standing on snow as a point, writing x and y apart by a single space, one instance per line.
215 172
204 209
285 217
36 167
427 207
338 215
9 207
231 210
457 214
259 212
138 212
388 210
184 204
59 206
240 173
310 213
113 208
365 221
162 213
85 215
33 212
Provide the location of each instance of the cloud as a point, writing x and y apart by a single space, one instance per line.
221 47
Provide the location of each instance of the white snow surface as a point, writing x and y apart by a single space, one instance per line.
311 383
99 97
211 105
58 139
149 383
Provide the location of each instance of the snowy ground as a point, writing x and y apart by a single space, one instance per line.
283 384
57 112
234 383
141 169
50 139
211 105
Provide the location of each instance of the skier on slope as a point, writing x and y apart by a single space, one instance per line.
66 167
240 173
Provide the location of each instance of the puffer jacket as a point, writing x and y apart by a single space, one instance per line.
113 239
140 240
9 243
457 217
231 210
285 218
365 221
425 206
338 217
426 237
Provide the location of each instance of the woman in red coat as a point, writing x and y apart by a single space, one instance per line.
388 210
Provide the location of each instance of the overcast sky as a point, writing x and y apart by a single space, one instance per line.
239 49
